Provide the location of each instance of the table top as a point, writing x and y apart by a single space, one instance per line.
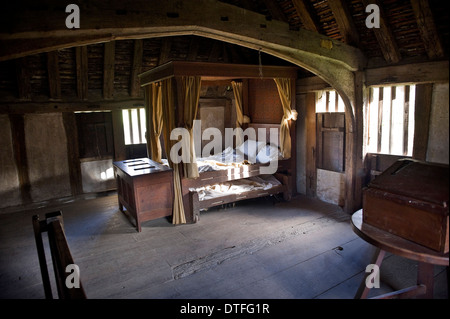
395 244
141 166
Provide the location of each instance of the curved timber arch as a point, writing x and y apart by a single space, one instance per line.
331 60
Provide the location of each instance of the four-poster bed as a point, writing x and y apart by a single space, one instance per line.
172 96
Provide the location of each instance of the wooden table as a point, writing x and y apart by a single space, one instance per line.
144 189
387 242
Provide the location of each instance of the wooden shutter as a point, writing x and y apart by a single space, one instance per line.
95 135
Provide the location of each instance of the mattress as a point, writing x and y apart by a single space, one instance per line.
240 186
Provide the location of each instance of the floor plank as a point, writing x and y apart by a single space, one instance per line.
303 249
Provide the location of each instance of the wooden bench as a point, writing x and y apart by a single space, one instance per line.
61 256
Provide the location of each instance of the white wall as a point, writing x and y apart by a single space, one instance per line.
331 187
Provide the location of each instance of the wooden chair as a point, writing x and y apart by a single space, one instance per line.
61 256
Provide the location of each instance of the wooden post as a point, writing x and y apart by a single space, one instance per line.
119 139
311 168
73 156
424 93
354 163
20 155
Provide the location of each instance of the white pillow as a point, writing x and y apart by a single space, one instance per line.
251 148
268 153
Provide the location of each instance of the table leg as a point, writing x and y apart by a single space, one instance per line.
448 279
363 290
425 276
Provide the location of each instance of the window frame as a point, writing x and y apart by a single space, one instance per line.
134 122
389 119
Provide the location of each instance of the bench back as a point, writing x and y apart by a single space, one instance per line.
61 257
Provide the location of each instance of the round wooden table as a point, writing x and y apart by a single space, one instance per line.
387 242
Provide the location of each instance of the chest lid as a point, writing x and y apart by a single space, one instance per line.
415 179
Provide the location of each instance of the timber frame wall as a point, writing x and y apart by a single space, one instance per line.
424 75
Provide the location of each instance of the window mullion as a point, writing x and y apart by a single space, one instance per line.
406 121
130 120
139 126
380 118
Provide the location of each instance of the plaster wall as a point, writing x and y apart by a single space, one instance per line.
9 180
98 176
46 147
331 187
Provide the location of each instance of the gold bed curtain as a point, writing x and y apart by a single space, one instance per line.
240 117
160 107
153 105
191 94
285 92
168 111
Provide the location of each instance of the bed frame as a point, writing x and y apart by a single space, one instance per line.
191 200
260 101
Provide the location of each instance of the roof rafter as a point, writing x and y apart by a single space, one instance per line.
305 15
427 28
385 37
344 21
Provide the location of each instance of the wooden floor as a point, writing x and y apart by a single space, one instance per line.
258 249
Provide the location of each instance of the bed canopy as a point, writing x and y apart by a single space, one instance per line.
172 93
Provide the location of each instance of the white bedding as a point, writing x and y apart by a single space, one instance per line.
247 153
250 152
262 182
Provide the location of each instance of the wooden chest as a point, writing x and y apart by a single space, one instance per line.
144 189
410 199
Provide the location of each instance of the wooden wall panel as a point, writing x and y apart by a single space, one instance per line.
264 104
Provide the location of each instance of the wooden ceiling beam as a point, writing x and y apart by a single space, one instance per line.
344 21
23 79
82 72
193 49
305 15
385 37
136 68
108 70
426 72
54 80
164 54
427 29
216 49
